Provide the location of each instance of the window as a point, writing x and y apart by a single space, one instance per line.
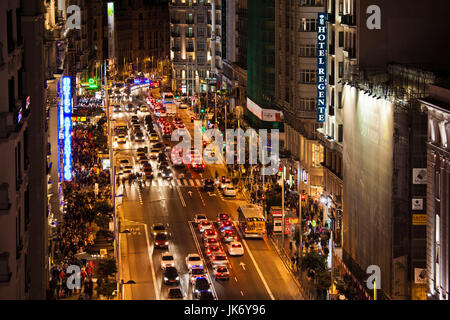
190 32
201 60
437 183
340 132
339 103
310 3
308 24
200 45
200 32
200 18
341 69
190 18
317 155
308 76
307 104
341 39
9 32
308 50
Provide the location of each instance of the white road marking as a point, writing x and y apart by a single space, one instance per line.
191 182
242 293
197 181
181 197
197 245
151 262
254 262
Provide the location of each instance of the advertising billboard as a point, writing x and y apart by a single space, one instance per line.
321 66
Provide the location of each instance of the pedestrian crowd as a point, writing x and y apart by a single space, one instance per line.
76 233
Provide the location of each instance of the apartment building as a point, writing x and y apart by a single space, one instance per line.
23 145
436 275
195 44
364 37
295 86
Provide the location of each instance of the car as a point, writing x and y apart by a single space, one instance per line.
139 137
208 185
211 242
166 173
235 248
224 183
158 145
213 249
140 154
158 228
225 225
148 172
142 149
154 137
163 165
209 233
223 216
162 157
171 275
124 161
221 272
229 191
143 108
202 226
201 285
134 117
161 241
183 106
193 259
205 295
121 139
117 108
128 169
167 134
167 260
218 259
195 272
199 167
175 294
199 218
154 153
229 236
143 159
177 120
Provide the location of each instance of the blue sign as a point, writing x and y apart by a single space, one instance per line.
66 126
321 66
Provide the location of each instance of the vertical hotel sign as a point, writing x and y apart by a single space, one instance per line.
111 46
321 66
65 127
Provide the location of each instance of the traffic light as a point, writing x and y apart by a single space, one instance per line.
202 109
303 197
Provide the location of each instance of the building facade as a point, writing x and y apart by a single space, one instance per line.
195 45
436 276
23 145
141 36
296 86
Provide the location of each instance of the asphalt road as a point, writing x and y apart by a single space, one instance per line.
259 274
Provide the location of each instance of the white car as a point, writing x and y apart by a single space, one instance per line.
193 259
167 260
224 183
203 225
154 137
200 218
218 259
235 248
183 106
229 191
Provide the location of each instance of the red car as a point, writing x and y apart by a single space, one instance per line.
213 249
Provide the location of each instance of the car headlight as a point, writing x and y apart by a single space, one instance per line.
165 279
177 278
196 291
209 290
166 243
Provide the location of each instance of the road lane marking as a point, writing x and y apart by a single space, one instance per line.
242 293
256 265
204 260
181 197
201 197
235 279
151 263
197 181
191 182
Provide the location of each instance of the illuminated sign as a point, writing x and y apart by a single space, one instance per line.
111 36
419 219
321 66
66 126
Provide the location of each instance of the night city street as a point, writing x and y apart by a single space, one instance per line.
241 151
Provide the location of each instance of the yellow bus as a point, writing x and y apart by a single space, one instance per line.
251 221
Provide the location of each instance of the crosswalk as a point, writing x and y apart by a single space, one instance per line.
174 182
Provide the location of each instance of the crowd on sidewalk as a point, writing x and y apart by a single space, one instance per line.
76 232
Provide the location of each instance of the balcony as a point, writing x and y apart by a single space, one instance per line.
174 21
351 53
190 35
348 19
175 34
176 49
190 21
5 274
5 205
191 49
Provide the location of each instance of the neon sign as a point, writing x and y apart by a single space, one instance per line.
66 127
321 66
